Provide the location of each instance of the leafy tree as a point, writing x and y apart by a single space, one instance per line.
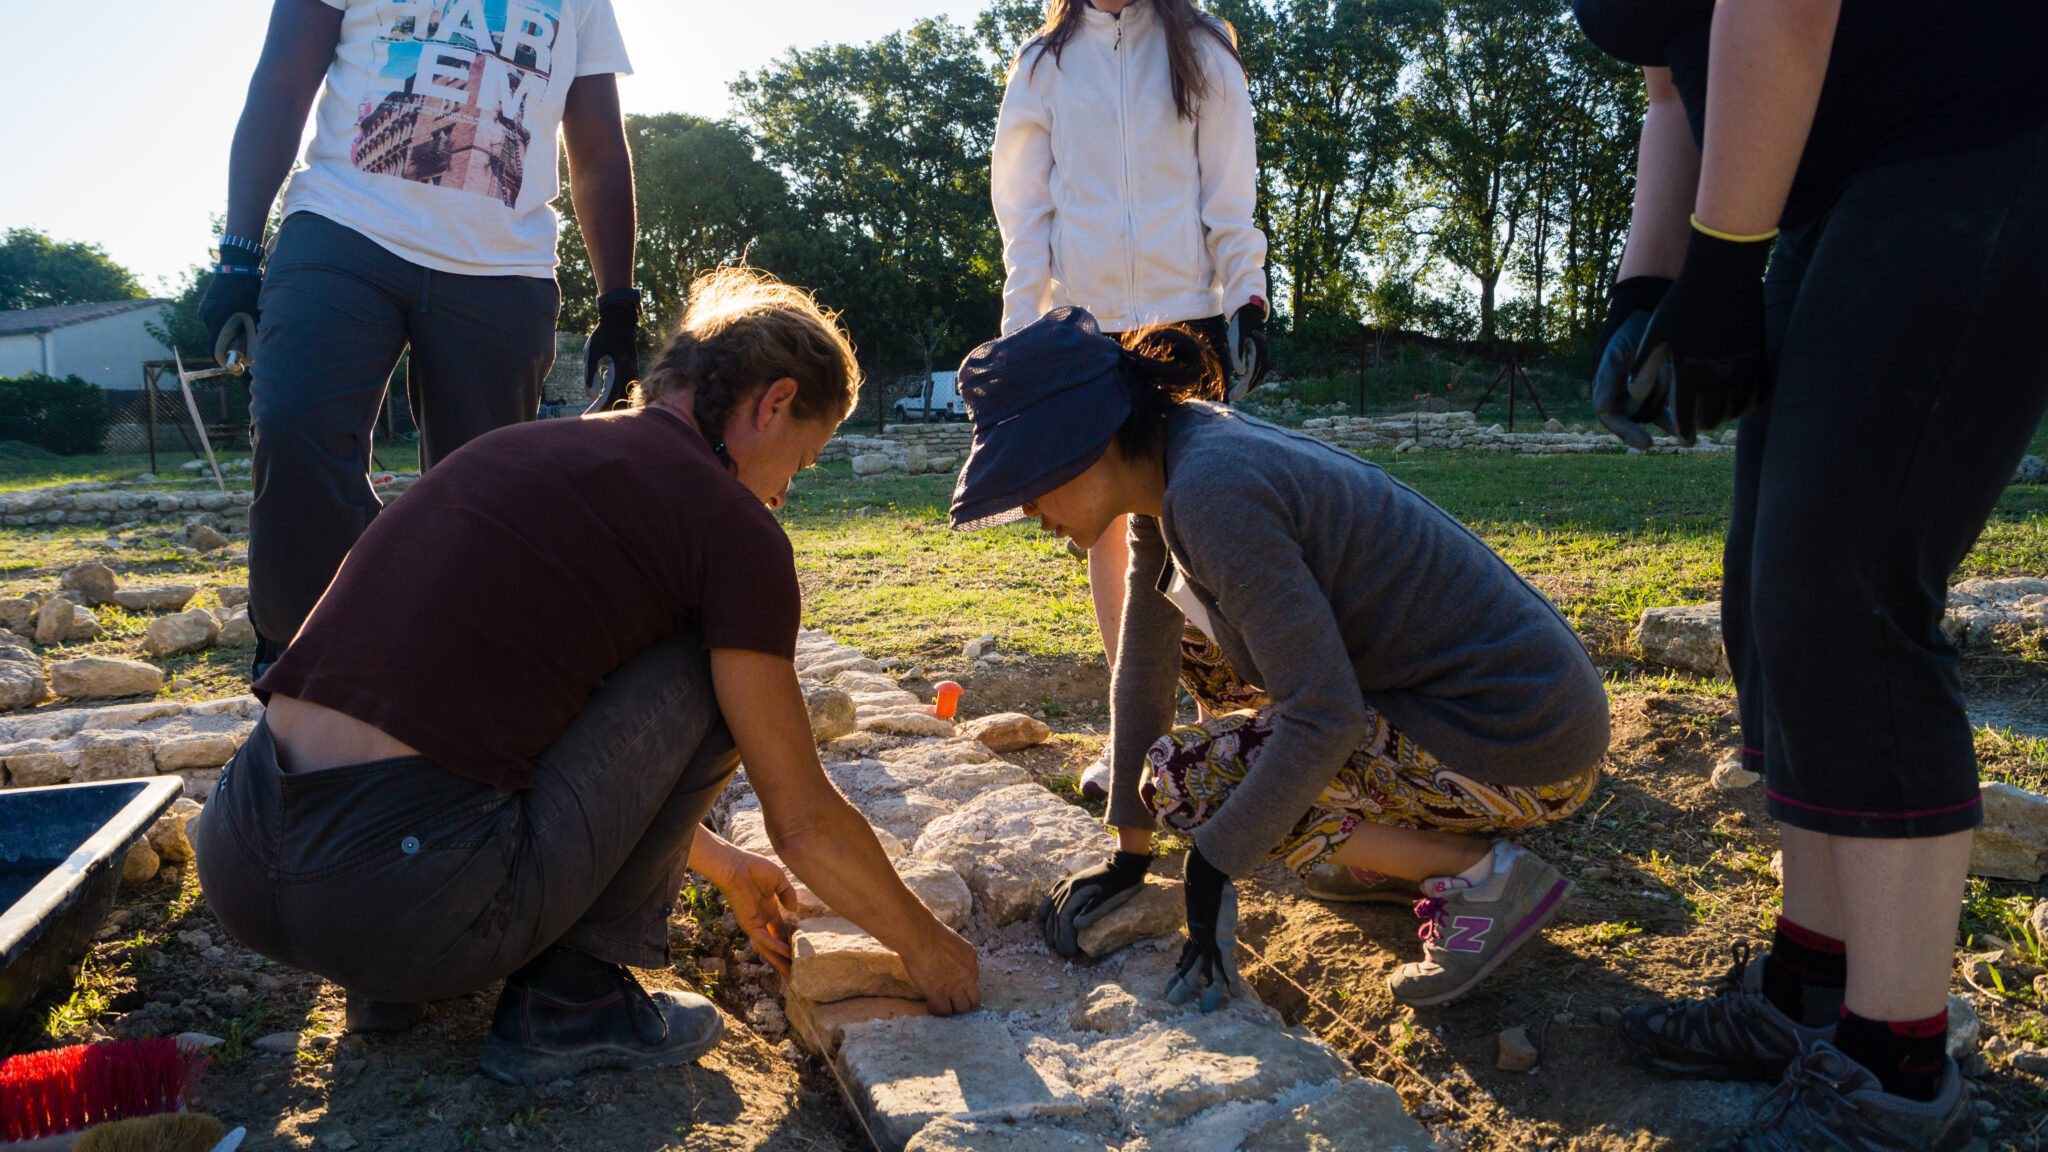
1004 26
887 148
181 327
68 416
704 198
37 272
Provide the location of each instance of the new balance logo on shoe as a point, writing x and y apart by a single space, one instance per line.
1468 933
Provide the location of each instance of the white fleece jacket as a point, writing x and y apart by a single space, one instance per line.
1108 199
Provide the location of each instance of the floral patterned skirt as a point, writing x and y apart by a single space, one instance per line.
1389 779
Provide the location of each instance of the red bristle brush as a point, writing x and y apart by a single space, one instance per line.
66 1090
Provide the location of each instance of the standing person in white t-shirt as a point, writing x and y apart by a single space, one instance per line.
421 220
1124 174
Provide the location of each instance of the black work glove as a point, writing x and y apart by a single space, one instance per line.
1614 353
1247 348
237 283
1088 896
1208 963
616 338
1705 346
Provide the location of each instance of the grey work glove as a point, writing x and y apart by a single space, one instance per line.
1088 896
1621 410
1207 972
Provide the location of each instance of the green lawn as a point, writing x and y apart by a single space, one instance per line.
1605 536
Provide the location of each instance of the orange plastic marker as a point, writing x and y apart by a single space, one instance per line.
949 699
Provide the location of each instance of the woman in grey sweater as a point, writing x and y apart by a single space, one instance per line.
1384 685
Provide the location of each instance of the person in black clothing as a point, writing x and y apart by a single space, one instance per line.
1888 160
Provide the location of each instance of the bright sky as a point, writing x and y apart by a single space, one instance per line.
123 141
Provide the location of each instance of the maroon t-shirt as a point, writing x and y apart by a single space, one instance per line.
480 610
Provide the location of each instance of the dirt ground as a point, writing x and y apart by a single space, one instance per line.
1672 873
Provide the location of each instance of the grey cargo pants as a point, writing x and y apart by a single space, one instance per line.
399 880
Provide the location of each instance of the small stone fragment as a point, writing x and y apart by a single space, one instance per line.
168 836
277 1043
54 621
1517 1054
206 538
1686 637
231 595
2031 1058
1965 1029
1006 731
1610 1017
1730 775
237 631
21 685
767 1018
141 865
201 1040
104 677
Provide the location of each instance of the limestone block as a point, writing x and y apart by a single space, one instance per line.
870 464
1007 731
1359 1113
906 815
167 835
1169 1070
832 959
21 685
195 752
1687 637
1034 979
1006 1134
888 699
1107 1008
129 715
141 865
237 631
35 762
748 830
104 677
206 538
1517 1053
232 595
967 781
904 722
245 706
157 598
18 613
931 757
2012 843
59 621
185 632
913 1070
118 755
858 680
941 889
1157 909
1011 845
831 664
831 711
822 1027
93 582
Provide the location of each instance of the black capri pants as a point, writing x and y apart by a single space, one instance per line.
1906 325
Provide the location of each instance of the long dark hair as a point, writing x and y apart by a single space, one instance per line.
1166 366
1179 18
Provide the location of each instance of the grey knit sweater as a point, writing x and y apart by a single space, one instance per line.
1336 588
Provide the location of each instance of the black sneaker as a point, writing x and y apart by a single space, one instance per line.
568 1012
1830 1103
1732 1034
362 1014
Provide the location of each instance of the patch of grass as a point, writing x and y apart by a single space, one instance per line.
2018 760
1992 909
1612 934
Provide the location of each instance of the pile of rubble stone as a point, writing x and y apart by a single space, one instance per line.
66 616
1086 1055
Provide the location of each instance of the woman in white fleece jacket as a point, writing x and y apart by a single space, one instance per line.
1124 177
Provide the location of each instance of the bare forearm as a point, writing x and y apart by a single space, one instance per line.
1667 181
1766 64
297 48
838 858
603 198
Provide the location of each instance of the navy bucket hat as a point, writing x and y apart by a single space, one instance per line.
1045 400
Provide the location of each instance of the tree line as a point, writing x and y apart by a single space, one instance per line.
1459 168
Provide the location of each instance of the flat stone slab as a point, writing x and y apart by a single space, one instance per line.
822 1027
1158 908
1167 1071
1356 1114
914 1070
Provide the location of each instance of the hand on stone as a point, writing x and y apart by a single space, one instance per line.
763 902
1087 896
1207 972
947 970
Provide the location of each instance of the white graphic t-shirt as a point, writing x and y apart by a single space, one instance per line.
436 130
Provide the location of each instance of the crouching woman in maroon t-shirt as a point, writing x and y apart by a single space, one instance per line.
488 752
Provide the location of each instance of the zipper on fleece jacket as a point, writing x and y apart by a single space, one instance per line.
1123 126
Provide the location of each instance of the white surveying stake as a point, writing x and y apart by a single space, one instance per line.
231 352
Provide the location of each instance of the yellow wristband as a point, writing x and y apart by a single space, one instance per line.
1730 236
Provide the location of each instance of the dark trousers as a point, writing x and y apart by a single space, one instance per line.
338 309
1910 376
400 880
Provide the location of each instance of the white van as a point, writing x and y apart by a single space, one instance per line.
946 403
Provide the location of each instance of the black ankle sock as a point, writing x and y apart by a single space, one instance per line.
1804 974
1908 1056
